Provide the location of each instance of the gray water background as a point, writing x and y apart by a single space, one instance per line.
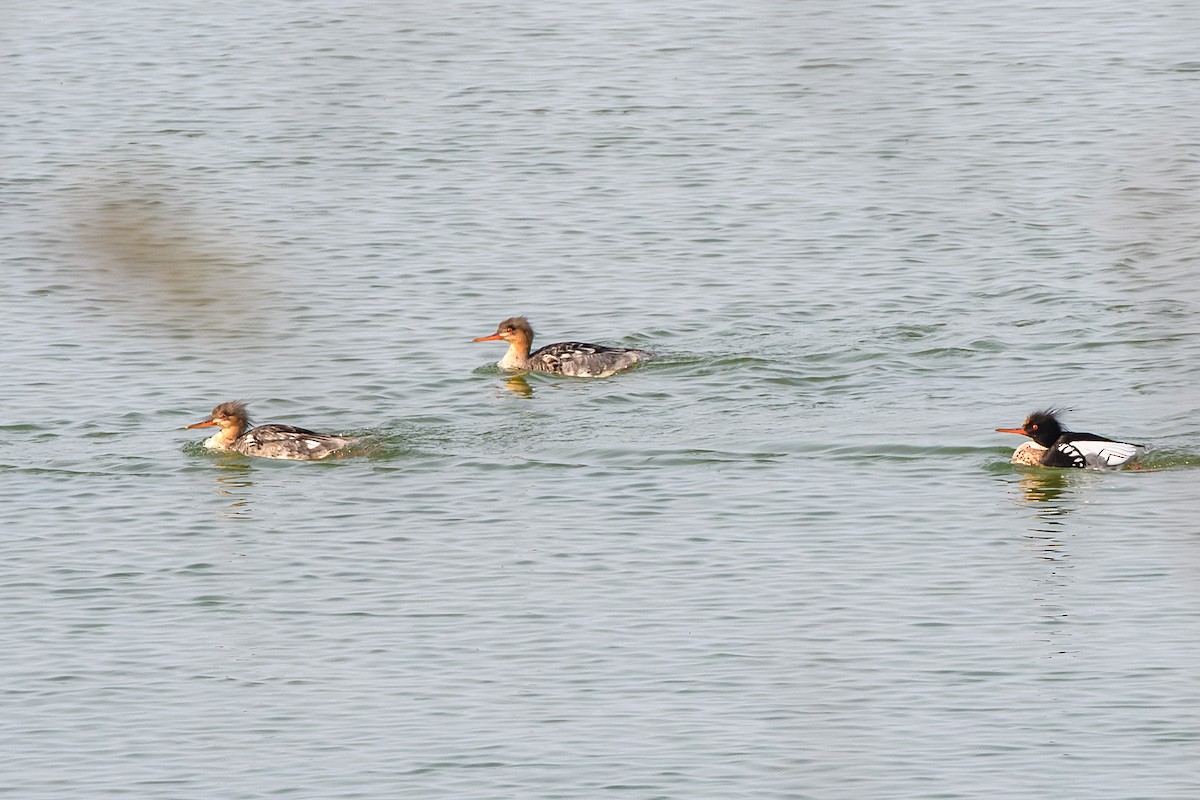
788 559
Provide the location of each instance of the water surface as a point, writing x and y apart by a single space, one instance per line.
788 559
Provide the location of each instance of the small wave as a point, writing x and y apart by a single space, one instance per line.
1153 460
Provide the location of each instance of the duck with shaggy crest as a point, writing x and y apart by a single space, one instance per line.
266 441
1054 446
576 359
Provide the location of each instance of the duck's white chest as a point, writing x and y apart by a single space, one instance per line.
511 361
216 442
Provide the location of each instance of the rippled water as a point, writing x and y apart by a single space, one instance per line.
788 559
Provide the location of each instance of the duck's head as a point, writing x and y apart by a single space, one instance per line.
226 416
513 329
1041 426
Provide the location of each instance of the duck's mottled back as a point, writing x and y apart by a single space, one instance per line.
288 442
584 360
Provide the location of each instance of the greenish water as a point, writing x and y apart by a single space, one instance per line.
787 559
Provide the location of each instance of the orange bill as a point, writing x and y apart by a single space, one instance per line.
1020 431
494 337
208 423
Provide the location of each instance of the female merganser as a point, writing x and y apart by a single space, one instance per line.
268 441
577 359
1063 448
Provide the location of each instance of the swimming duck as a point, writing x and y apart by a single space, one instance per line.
577 359
266 441
1059 447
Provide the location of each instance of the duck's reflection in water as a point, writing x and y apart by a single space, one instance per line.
1049 492
1052 495
234 482
518 385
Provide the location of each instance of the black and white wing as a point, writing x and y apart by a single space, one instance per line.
1108 454
1064 454
1096 453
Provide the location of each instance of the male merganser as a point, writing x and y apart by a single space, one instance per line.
577 359
268 441
1063 448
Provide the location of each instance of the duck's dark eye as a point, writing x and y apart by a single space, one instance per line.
1033 427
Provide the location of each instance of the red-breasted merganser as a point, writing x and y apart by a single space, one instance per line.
1057 447
577 359
267 441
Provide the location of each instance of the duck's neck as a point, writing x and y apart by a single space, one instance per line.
517 356
1046 438
224 438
